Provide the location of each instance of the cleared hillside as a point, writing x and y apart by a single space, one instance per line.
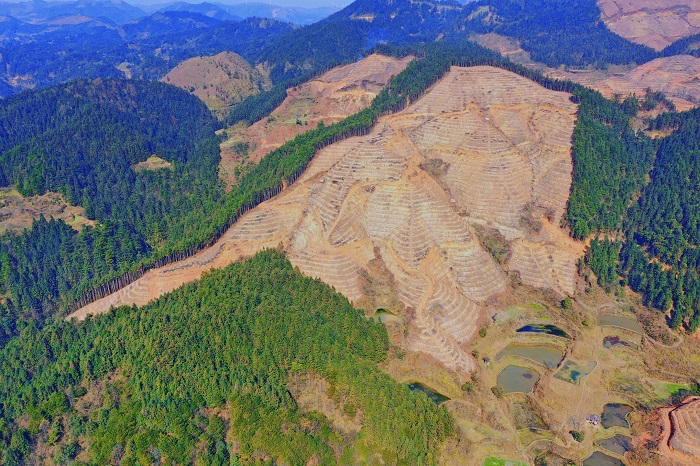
219 80
383 220
18 212
675 76
656 24
335 95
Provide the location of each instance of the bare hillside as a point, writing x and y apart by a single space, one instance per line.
676 76
220 80
400 218
337 94
18 212
656 24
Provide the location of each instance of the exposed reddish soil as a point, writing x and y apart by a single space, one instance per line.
680 436
678 77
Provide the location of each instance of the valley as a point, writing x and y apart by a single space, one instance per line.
410 233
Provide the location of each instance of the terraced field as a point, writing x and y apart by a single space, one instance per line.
684 438
656 24
483 147
337 94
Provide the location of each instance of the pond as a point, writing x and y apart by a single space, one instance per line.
612 341
619 444
438 398
615 414
573 371
601 459
622 322
544 328
517 379
550 357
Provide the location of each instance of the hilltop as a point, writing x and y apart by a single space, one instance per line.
220 81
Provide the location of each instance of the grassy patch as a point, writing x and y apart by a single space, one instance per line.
518 309
493 461
665 390
152 163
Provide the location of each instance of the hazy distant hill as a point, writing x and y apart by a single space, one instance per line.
39 11
207 9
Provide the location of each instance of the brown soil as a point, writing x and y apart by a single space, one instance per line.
332 97
678 77
504 141
220 81
680 436
656 24
18 212
152 163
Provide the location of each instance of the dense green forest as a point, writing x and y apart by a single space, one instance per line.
610 163
658 220
560 32
158 376
83 139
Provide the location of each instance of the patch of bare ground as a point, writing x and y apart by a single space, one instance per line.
678 77
330 98
679 436
368 220
655 24
313 393
220 80
18 212
152 163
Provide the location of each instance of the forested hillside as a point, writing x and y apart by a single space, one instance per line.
652 212
163 378
555 32
146 49
82 140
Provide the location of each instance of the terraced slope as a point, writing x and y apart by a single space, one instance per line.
399 206
219 80
656 24
681 436
337 94
676 76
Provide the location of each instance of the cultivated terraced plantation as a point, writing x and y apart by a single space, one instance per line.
682 429
390 219
330 98
656 24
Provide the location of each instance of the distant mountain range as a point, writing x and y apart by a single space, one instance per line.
118 12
